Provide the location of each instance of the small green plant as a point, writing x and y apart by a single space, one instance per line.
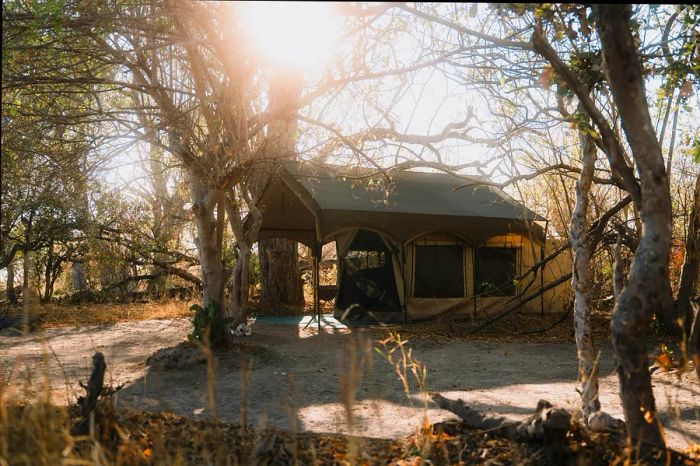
209 322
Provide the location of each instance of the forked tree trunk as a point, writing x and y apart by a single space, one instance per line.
237 306
644 289
581 280
209 228
691 264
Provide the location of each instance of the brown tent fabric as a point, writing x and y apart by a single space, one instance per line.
316 204
306 202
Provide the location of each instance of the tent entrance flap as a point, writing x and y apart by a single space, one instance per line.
367 276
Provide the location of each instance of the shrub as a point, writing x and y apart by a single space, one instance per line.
209 321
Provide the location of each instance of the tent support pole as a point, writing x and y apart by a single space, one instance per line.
474 280
316 280
403 277
544 242
317 252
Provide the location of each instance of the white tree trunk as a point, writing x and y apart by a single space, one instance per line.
581 280
237 307
204 201
645 290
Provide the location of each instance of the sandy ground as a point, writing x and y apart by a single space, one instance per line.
296 378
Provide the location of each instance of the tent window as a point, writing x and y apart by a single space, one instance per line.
362 260
495 271
439 272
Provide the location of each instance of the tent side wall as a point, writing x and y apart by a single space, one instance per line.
529 253
417 307
526 252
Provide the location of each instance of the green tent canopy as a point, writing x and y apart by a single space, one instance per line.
309 202
377 219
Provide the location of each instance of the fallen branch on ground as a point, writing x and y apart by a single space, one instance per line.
546 425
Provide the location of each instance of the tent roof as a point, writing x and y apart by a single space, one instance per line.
308 201
406 192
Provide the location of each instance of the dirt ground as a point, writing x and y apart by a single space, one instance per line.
296 379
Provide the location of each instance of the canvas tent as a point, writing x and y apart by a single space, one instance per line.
409 244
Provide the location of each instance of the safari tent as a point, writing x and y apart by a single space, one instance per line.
410 245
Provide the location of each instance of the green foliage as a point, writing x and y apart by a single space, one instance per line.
230 258
695 151
209 321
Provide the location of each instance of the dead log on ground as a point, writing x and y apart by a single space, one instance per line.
546 425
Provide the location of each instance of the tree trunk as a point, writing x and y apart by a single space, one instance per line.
619 268
279 263
694 339
691 264
11 295
644 289
279 267
238 300
204 202
29 294
47 274
581 280
163 232
78 278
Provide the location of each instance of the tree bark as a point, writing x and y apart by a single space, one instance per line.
93 389
581 279
11 295
694 339
279 263
644 290
237 307
48 283
279 267
619 268
29 293
240 290
691 264
204 202
78 278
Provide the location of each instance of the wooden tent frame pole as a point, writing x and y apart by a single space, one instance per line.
317 252
316 279
544 243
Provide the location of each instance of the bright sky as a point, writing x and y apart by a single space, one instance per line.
307 36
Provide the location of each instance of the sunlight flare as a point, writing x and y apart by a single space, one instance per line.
290 34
